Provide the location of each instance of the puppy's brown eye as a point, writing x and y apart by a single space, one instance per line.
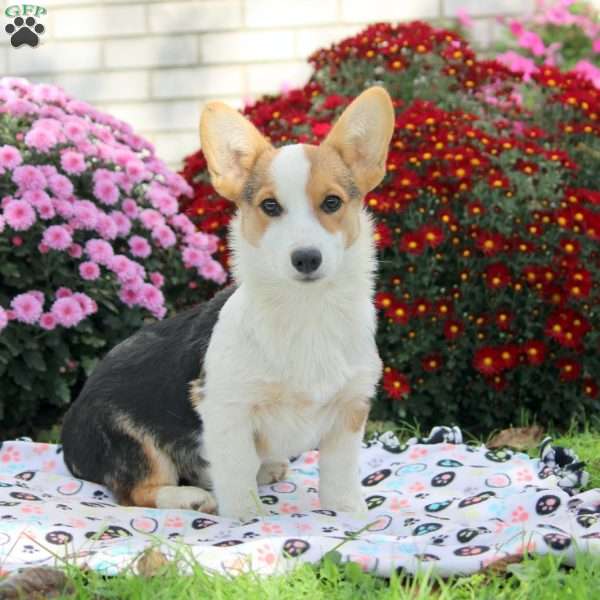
331 204
271 207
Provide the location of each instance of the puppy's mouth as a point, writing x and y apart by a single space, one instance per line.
308 278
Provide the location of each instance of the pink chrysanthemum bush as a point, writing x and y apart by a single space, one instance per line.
92 244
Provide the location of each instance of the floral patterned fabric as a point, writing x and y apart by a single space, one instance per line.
433 502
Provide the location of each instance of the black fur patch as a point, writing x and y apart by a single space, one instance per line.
144 379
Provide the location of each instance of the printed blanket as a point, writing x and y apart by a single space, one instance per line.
432 503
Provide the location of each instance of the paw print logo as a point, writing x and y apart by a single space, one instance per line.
519 515
547 504
439 540
24 31
466 535
438 506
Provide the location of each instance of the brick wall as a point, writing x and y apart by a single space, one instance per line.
154 62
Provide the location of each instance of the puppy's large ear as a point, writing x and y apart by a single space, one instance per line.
362 136
231 145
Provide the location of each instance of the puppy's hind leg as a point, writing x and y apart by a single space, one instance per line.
271 472
158 488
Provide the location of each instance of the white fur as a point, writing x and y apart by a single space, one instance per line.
316 339
186 497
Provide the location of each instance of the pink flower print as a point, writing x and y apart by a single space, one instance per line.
10 454
524 475
417 453
49 465
362 560
288 508
519 515
267 528
304 527
174 521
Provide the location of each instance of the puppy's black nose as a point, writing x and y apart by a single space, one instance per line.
306 260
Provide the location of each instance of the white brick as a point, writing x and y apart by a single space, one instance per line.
111 21
49 57
264 79
309 40
126 85
285 13
480 33
365 11
207 15
151 52
198 82
173 148
479 8
246 46
157 116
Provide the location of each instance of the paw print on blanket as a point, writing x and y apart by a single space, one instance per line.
499 455
426 528
112 532
376 478
557 541
203 523
438 506
547 504
374 502
25 496
294 547
59 538
443 479
586 519
477 499
524 475
468 551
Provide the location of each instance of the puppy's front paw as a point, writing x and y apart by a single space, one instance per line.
352 502
271 472
241 508
186 497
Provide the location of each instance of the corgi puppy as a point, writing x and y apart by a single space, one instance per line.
193 411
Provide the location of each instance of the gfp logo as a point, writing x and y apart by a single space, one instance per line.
24 28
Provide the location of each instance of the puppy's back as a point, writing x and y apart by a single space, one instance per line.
144 383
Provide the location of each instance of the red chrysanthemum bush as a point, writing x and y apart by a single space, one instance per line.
488 225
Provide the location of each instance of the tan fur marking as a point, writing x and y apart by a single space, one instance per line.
196 391
355 417
271 396
262 444
162 469
329 175
261 187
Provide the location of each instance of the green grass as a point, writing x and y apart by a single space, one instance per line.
535 578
